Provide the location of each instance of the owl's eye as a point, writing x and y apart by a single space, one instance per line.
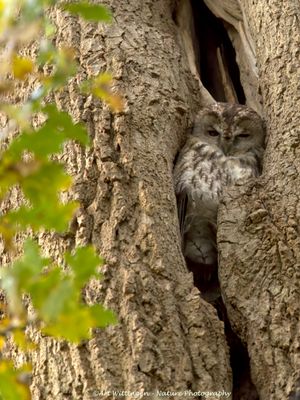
243 135
212 132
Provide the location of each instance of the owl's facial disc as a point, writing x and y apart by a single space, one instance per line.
226 144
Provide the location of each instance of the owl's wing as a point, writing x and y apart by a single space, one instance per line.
181 208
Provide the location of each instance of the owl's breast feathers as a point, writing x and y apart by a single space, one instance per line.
202 171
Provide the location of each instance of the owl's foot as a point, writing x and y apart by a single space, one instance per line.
205 279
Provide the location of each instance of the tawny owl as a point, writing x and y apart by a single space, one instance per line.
225 148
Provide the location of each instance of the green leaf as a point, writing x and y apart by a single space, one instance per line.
73 326
41 287
9 176
101 86
12 385
16 279
101 316
49 139
64 67
62 122
21 340
77 324
91 12
50 29
42 187
21 67
84 263
47 53
60 300
30 264
57 296
51 216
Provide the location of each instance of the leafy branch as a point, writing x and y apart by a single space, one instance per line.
55 292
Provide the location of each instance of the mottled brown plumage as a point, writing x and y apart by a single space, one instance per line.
225 148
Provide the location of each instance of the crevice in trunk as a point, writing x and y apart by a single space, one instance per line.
217 66
215 62
243 387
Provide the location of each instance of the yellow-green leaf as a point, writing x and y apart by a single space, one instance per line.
101 86
21 66
13 382
22 341
84 263
92 12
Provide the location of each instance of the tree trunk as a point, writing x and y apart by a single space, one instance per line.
168 338
258 233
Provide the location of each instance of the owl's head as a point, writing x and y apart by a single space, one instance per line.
233 128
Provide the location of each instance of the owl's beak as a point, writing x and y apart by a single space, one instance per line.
225 145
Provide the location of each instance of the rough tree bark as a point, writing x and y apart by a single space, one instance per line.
259 241
168 338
